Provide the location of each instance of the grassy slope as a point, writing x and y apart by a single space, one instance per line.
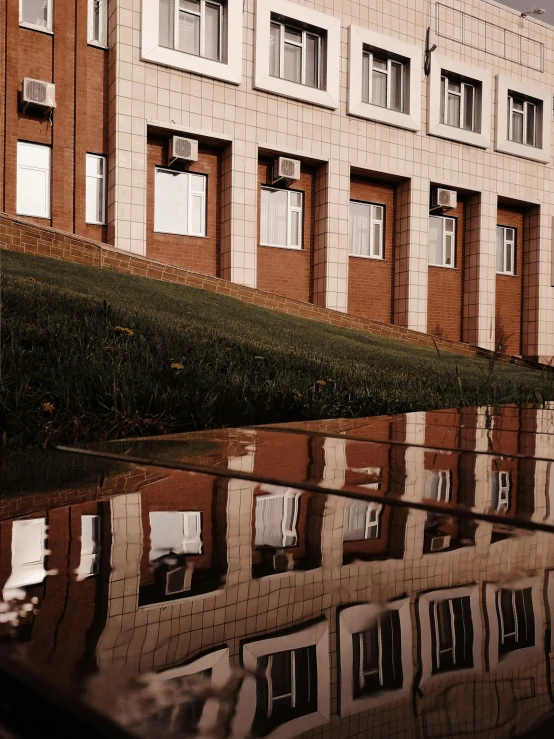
62 344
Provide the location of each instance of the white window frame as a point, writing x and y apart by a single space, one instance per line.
229 70
435 626
49 22
102 40
25 572
516 657
372 518
95 177
301 45
355 619
47 171
508 246
527 105
202 33
290 502
447 93
445 219
378 253
518 87
370 55
444 484
290 210
297 15
504 485
90 549
191 543
191 195
482 84
318 635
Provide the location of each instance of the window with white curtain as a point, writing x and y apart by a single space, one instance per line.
500 490
36 14
523 121
458 103
442 241
366 230
505 250
383 80
295 54
362 520
193 26
437 485
28 554
96 189
98 22
175 532
180 202
281 218
276 519
90 547
33 180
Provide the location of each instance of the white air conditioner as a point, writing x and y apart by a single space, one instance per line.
286 169
442 198
178 580
37 92
438 543
183 150
283 562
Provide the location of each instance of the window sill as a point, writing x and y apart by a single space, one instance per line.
97 45
34 215
173 233
40 29
95 223
523 151
459 135
442 266
289 248
384 115
506 274
366 256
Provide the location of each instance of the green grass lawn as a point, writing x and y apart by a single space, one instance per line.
90 355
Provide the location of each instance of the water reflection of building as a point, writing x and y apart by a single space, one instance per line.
294 584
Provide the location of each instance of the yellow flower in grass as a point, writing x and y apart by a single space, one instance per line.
258 357
321 382
177 365
128 331
48 407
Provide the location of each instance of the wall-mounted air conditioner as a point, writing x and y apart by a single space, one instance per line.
283 562
286 170
442 198
183 150
178 580
438 543
37 92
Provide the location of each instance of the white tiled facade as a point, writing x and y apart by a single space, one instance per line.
146 93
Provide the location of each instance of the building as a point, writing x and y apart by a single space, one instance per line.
376 120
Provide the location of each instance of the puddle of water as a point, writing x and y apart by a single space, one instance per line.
386 577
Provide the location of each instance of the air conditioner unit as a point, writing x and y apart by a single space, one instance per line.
183 150
37 92
438 543
178 580
283 562
442 198
285 169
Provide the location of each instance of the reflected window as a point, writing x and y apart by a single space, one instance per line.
451 634
28 553
438 485
90 547
377 656
175 532
286 688
277 519
362 520
500 497
516 620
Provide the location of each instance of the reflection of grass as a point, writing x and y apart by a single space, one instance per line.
91 355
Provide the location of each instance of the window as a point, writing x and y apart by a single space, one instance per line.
180 203
98 22
366 230
96 189
522 121
437 485
500 482
36 13
295 54
362 520
90 547
276 519
28 553
451 634
505 250
516 620
383 81
442 241
287 688
458 102
192 26
175 532
281 219
377 656
33 180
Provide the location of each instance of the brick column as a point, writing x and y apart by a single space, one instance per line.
480 270
320 234
538 279
411 254
336 237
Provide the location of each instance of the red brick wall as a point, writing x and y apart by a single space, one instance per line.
509 289
445 285
370 281
288 272
200 254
